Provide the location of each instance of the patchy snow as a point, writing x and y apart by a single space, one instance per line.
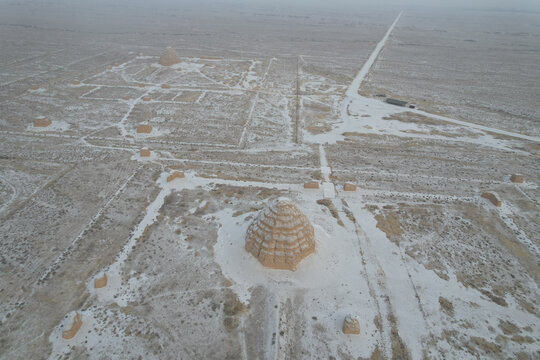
56 125
38 91
157 119
329 189
411 324
156 132
137 156
96 334
354 106
200 205
414 291
332 276
251 78
351 121
352 91
479 127
12 194
507 212
183 66
62 346
115 291
121 293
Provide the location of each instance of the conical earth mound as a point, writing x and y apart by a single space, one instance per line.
169 57
281 236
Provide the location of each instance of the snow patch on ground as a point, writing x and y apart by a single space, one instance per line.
115 291
156 132
96 334
332 278
377 123
56 125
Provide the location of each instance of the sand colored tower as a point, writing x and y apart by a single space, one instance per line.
281 235
169 57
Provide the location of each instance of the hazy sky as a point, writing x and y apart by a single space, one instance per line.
431 3
489 4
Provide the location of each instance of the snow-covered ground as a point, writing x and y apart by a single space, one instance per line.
429 267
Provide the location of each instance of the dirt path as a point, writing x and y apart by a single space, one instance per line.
355 84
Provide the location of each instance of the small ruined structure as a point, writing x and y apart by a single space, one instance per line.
145 152
349 187
516 178
141 85
100 282
42 122
351 325
311 185
396 102
77 323
34 87
281 235
144 129
76 82
493 197
165 86
175 175
125 98
146 98
169 57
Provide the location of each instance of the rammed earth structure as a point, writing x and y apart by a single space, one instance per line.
281 235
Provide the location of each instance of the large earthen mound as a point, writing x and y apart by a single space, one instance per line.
281 236
169 57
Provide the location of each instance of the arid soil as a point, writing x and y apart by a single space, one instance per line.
262 102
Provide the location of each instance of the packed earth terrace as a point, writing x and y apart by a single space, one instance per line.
130 173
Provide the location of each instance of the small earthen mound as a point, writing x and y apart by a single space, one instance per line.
516 178
146 98
349 187
311 185
165 86
351 325
493 197
77 323
144 129
169 57
42 122
141 85
34 87
100 282
126 98
281 236
76 82
175 175
145 152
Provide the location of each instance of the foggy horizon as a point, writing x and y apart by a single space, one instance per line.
498 5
